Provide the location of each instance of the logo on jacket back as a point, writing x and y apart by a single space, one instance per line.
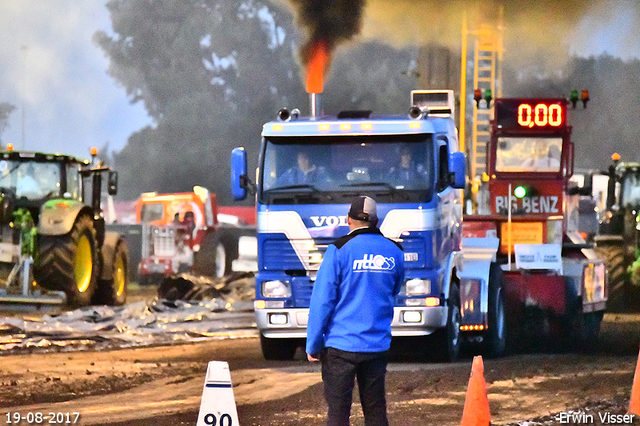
375 262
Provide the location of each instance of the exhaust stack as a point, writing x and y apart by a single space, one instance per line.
315 75
315 104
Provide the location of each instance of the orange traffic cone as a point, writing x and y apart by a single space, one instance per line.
634 403
476 404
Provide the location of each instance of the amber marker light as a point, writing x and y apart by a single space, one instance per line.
432 302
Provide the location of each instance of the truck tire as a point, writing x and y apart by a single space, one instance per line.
623 296
447 340
495 338
214 259
69 263
113 292
278 349
589 329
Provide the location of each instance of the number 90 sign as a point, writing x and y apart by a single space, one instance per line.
541 115
212 420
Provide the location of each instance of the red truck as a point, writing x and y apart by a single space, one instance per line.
189 232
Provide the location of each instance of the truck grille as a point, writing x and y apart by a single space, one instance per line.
280 255
163 241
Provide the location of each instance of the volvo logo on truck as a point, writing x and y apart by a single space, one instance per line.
329 220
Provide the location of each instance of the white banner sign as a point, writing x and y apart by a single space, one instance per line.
539 256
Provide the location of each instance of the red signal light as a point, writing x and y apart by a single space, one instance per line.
584 97
477 96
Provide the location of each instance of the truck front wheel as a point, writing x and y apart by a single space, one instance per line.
69 262
495 338
278 349
447 340
214 257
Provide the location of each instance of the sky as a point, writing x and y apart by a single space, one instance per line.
57 79
67 103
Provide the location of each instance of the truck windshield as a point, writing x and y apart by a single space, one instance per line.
324 169
30 179
527 154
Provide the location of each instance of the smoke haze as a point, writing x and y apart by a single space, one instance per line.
544 30
331 21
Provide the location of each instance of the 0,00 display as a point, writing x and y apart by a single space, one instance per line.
541 115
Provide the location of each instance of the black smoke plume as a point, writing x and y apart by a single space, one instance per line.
329 21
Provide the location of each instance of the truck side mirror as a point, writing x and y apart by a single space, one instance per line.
239 179
112 182
457 168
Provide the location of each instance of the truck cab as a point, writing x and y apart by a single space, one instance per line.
552 277
311 168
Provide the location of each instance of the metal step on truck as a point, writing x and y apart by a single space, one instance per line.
311 168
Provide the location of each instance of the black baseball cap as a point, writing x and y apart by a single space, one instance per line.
364 208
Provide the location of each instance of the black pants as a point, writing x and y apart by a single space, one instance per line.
339 369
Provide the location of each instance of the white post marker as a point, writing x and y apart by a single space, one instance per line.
218 405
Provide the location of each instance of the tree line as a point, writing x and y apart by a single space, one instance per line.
210 73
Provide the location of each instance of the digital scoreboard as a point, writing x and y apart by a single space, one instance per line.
531 114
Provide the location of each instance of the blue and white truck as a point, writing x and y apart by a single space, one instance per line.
357 153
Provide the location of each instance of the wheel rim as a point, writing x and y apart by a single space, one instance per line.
119 277
500 315
221 261
456 319
84 264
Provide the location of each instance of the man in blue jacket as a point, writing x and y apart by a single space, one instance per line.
350 313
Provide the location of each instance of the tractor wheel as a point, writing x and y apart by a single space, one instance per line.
446 345
113 292
623 296
69 263
214 258
495 338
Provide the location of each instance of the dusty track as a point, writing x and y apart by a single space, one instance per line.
163 385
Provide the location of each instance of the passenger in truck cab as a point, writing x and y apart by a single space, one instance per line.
406 170
305 172
543 157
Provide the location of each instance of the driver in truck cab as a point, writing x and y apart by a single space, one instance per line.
305 172
543 157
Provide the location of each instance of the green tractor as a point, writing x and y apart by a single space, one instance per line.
53 245
617 239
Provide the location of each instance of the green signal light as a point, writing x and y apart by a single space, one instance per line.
520 191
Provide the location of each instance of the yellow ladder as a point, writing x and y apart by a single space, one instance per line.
486 76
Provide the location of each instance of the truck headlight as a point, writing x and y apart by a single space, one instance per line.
417 286
276 288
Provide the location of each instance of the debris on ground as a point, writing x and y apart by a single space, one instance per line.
238 286
187 309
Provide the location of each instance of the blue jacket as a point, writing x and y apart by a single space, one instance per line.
353 297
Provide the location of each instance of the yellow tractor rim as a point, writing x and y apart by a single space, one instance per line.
119 276
84 264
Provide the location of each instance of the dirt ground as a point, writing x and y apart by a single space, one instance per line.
163 385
